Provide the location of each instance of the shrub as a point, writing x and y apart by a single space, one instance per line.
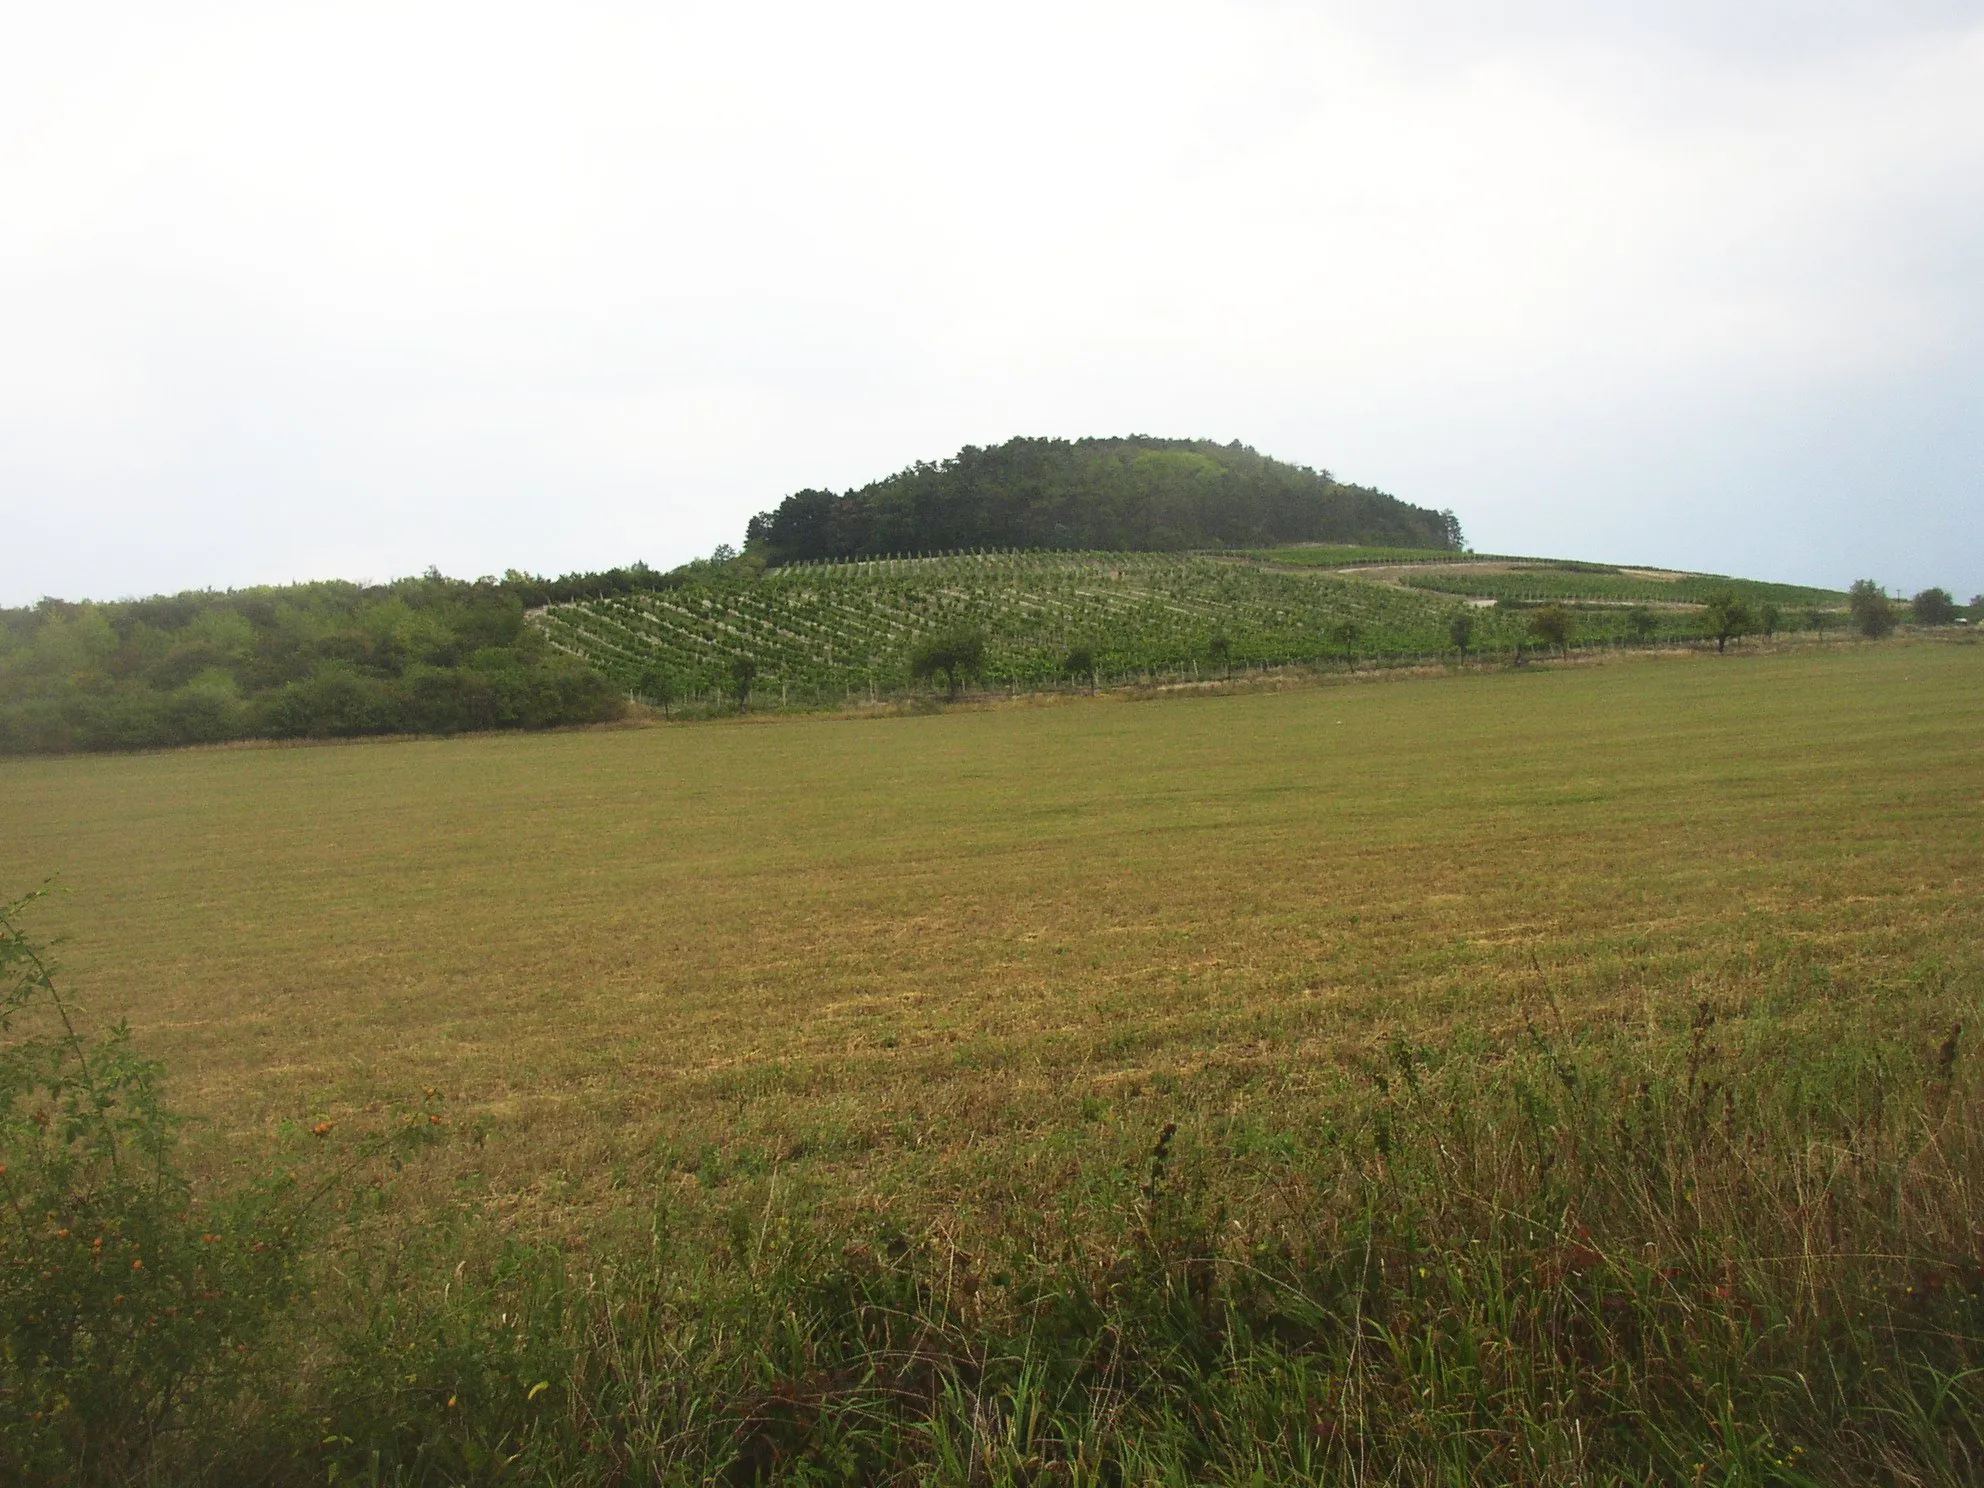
130 1305
1873 612
1553 625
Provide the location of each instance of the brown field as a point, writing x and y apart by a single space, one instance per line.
868 950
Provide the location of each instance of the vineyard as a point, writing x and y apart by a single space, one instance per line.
1573 581
822 632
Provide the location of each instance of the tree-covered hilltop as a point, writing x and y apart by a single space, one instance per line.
1122 495
419 655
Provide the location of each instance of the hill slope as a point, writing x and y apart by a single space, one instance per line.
817 630
1135 494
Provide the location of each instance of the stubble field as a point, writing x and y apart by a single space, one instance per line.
846 941
1540 1075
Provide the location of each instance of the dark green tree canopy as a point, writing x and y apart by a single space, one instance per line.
1552 625
1933 607
1131 494
951 654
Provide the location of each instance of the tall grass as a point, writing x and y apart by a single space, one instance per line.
1707 1254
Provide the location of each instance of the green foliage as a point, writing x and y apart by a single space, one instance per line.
954 654
1641 624
826 631
1768 617
1460 631
1130 495
743 672
1716 1252
1553 625
1342 555
425 655
1219 650
131 1305
1725 616
1933 607
1537 582
1079 664
1872 610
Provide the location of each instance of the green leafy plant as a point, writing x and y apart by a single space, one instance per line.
954 654
1553 625
1872 610
131 1305
1726 616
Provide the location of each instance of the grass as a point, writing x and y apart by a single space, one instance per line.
1552 1060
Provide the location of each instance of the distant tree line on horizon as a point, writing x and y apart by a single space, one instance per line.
1134 494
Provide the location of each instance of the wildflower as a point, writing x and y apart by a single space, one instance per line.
321 1129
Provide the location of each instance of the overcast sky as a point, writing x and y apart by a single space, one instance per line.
296 291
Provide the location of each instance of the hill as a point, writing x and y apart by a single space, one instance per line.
1135 494
821 631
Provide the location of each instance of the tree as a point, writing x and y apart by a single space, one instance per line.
1725 616
1934 607
1767 618
743 672
1220 649
658 688
954 654
1977 606
1079 664
1553 625
1873 611
1460 630
1641 623
1818 619
1345 633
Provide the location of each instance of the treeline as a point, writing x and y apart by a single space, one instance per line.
418 655
1136 494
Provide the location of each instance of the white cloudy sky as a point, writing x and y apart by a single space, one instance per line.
299 290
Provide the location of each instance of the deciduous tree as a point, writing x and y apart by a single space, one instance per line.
1873 611
1933 607
1724 617
953 654
1553 625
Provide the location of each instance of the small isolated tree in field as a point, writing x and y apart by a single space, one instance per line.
1724 617
1767 618
1818 619
1220 649
743 672
1553 625
1641 623
1873 611
1934 607
1079 664
1977 607
1460 630
657 688
1345 633
952 654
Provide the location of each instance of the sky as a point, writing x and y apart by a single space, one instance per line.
307 291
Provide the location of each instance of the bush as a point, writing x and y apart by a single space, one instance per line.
1553 625
131 1307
